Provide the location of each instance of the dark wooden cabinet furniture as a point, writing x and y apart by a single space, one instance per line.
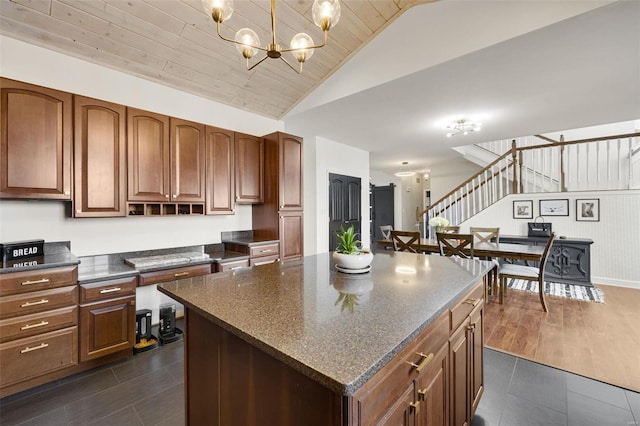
107 317
260 253
187 150
220 180
155 277
99 158
230 266
569 260
281 215
38 326
36 141
249 168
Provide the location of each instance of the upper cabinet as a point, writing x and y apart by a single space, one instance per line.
166 158
290 170
220 185
249 156
35 152
99 158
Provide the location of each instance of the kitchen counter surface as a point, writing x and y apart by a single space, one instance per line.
338 329
246 238
56 254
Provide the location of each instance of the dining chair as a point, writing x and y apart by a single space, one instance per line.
454 244
385 230
527 273
450 229
488 235
406 241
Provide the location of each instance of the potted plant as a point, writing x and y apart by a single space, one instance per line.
349 255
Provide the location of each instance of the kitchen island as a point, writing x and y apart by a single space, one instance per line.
300 343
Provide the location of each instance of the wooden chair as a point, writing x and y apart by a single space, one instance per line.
486 235
406 241
528 273
450 229
453 244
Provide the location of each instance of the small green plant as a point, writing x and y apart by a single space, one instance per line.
347 242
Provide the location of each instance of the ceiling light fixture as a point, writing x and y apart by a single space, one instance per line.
404 172
463 127
326 13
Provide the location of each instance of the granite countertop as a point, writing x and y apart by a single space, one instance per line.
295 312
56 254
245 238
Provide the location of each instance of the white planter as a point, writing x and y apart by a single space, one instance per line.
353 261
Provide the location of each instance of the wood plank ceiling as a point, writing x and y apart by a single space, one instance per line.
173 42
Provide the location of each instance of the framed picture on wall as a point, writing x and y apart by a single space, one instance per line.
523 209
588 210
554 207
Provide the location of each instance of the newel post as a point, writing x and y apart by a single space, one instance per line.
514 162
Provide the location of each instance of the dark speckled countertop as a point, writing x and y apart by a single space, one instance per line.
56 254
294 311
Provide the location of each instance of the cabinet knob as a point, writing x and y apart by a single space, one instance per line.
175 196
415 406
166 195
422 394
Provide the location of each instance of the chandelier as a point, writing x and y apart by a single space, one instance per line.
326 13
463 127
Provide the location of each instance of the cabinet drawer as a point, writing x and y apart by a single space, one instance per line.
264 260
37 355
265 250
38 301
462 309
21 282
103 290
230 266
378 395
29 325
165 275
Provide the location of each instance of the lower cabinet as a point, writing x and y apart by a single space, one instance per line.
107 323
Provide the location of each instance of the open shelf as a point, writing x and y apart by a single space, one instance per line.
164 209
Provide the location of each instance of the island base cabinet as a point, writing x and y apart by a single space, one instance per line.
229 382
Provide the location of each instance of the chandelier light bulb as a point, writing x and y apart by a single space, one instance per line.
463 127
300 42
326 13
247 39
219 10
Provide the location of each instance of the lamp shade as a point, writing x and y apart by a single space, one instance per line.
247 39
219 10
300 42
326 13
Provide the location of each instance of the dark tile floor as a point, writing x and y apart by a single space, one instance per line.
147 389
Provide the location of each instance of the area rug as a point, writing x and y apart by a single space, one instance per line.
577 292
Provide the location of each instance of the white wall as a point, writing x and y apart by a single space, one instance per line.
616 237
446 176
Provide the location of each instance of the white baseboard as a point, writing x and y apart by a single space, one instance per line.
615 282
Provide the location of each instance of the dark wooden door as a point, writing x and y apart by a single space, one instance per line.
220 171
249 155
99 158
382 209
344 205
187 161
290 172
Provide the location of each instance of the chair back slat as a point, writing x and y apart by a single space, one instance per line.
406 241
485 235
450 229
385 230
453 244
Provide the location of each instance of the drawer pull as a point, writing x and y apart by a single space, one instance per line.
39 302
472 302
233 268
40 281
266 251
426 359
472 326
180 274
415 406
110 290
40 324
422 394
35 348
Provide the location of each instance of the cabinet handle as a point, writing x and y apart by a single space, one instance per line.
40 324
180 274
110 290
166 195
39 302
422 394
235 267
266 251
35 348
472 326
415 406
472 302
426 359
40 281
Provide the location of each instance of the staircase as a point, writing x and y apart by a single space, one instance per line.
539 164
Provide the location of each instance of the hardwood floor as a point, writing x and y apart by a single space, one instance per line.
597 340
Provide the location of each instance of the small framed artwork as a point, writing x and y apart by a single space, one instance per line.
523 209
588 210
554 207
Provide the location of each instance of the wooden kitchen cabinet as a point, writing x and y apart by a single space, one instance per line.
220 176
249 168
164 275
99 158
187 145
36 141
281 215
107 317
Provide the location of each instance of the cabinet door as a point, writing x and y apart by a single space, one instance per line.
187 161
249 155
99 158
148 156
291 230
290 173
431 389
107 327
459 376
568 263
220 187
403 412
476 343
35 153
